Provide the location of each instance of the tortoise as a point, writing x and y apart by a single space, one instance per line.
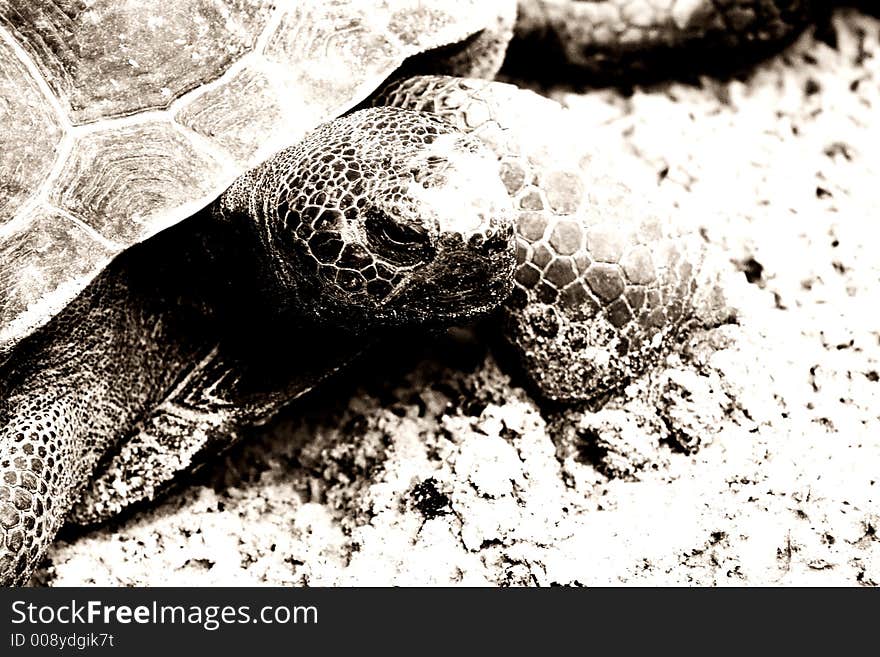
187 248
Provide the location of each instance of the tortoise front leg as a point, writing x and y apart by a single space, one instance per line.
73 389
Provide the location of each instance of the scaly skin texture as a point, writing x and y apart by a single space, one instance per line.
66 401
607 41
375 186
602 286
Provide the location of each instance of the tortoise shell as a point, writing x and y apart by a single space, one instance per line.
119 118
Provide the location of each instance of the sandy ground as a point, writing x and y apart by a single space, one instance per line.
751 458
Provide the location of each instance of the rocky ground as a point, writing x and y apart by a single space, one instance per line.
750 458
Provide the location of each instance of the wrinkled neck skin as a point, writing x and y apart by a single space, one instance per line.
74 389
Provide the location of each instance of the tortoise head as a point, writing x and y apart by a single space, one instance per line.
384 216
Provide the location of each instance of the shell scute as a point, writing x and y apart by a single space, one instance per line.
121 181
117 57
30 133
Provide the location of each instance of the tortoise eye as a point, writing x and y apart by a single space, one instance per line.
397 233
396 242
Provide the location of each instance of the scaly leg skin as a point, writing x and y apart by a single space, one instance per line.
72 390
603 285
614 41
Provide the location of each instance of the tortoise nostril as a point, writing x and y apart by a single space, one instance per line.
496 242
